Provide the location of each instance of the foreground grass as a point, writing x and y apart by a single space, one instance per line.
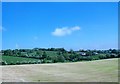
89 71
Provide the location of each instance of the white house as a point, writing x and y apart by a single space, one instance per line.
82 53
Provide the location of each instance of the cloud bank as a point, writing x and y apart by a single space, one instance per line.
65 31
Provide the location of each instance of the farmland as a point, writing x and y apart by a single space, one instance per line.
88 71
15 60
54 55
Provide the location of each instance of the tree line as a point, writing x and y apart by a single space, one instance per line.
61 55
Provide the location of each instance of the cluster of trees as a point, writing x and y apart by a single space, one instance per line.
29 52
62 55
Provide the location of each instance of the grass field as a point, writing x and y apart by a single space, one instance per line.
13 59
51 53
89 71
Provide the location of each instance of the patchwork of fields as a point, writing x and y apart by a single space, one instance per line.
89 71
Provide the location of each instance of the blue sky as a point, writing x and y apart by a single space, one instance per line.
69 25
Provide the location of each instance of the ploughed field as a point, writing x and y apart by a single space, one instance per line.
87 71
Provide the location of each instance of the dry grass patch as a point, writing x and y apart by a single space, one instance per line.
89 71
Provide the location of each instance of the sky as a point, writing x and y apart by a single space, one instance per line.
80 25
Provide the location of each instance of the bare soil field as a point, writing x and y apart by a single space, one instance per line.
87 71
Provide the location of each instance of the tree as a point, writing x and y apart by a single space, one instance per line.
66 56
54 59
52 49
44 55
114 51
59 52
72 56
4 63
61 58
17 62
8 52
89 53
39 52
71 51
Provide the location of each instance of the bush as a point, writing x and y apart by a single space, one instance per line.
4 63
17 62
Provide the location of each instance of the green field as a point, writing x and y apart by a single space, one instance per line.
88 71
14 59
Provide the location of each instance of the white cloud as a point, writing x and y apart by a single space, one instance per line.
2 29
65 31
16 46
35 38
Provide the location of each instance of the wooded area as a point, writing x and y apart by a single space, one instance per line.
54 55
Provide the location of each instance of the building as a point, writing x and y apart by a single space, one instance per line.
83 53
